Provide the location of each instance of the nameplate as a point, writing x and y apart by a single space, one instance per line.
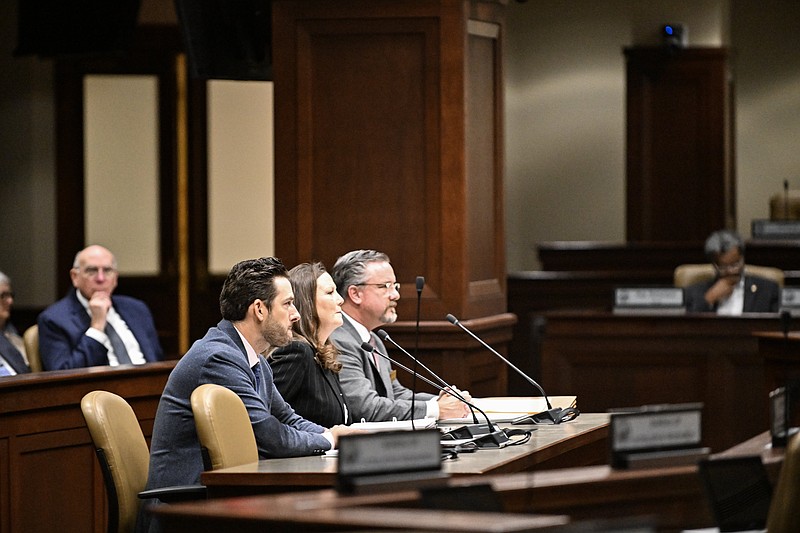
390 451
663 300
775 229
654 429
779 416
790 299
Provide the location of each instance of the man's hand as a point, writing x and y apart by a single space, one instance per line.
339 430
721 289
99 304
452 407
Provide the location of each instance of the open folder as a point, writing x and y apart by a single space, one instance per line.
395 425
504 409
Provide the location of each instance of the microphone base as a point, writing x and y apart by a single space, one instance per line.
551 416
496 439
469 431
480 435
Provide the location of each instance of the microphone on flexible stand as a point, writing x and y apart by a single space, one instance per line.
420 286
786 199
490 437
385 337
551 416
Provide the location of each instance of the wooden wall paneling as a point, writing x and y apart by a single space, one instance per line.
610 361
5 482
484 166
49 476
679 143
373 149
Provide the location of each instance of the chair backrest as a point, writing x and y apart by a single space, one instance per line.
783 514
223 427
122 452
31 340
689 274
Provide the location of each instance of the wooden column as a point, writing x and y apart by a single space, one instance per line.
388 135
680 144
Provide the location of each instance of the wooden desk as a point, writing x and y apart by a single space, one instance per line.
576 443
50 479
781 355
673 496
610 361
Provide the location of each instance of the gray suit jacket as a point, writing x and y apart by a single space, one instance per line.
371 393
220 357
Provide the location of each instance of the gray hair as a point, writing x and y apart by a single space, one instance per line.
5 279
350 268
721 241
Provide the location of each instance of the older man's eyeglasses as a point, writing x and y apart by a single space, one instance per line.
385 286
8 295
93 271
729 268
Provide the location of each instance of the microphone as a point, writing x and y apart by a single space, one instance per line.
551 416
491 437
385 337
786 199
420 286
369 348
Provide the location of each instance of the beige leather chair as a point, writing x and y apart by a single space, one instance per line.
124 459
31 340
223 427
689 274
784 515
122 452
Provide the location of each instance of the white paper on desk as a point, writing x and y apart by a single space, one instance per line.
395 425
507 408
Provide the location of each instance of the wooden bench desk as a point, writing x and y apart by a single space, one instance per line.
580 442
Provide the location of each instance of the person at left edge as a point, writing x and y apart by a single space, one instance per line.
13 359
257 306
77 330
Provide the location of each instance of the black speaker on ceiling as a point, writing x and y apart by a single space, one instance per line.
227 39
49 28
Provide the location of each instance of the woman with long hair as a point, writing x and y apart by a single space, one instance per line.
306 371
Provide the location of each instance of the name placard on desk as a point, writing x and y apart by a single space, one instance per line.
790 300
649 300
775 229
657 436
389 459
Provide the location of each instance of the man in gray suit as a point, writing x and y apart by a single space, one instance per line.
257 305
366 281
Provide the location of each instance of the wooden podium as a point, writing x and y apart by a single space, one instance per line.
388 135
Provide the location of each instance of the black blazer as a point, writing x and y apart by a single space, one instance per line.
314 392
760 296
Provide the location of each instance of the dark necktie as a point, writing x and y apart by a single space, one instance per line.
375 355
116 343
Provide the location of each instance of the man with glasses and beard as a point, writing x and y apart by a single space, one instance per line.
257 305
732 291
366 281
